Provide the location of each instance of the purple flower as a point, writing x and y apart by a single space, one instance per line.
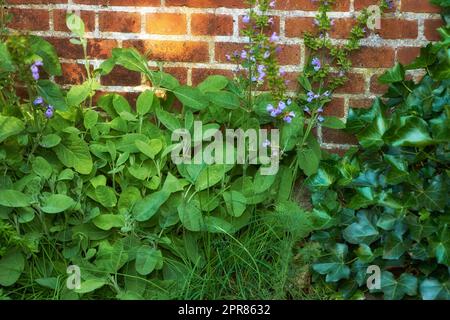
311 96
38 63
269 108
246 19
288 118
261 72
270 21
35 70
316 64
244 54
38 101
320 110
307 110
282 71
49 112
289 102
274 37
281 105
228 57
35 75
272 4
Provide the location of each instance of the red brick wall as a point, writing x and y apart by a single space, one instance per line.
193 36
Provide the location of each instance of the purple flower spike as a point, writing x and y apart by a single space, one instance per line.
246 19
49 112
274 37
272 4
316 64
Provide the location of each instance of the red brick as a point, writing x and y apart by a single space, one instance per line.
431 26
376 87
269 30
420 6
398 29
181 51
72 74
211 24
178 72
335 108
131 3
362 4
224 48
342 28
29 19
207 3
337 137
368 57
406 55
357 103
356 84
166 23
308 5
101 48
35 1
198 75
120 22
297 26
59 20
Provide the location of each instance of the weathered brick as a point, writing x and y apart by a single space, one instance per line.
166 23
406 55
431 26
120 76
308 5
337 137
120 22
207 3
335 108
211 24
29 19
418 6
131 3
398 29
297 26
369 57
72 73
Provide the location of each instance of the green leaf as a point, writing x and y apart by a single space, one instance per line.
333 123
394 247
130 59
396 74
90 119
190 97
168 119
14 199
41 167
75 24
144 102
361 232
334 267
48 54
213 84
191 216
74 153
164 80
10 126
57 203
6 63
235 203
78 93
263 182
146 208
308 161
432 289
224 99
324 177
50 140
150 149
52 94
148 259
414 133
11 267
109 221
395 289
90 285
106 196
209 176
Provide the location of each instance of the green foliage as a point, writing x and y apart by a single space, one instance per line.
389 198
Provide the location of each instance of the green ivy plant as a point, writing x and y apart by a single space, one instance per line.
386 203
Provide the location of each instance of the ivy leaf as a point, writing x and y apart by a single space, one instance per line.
325 177
396 289
361 232
334 266
432 289
333 123
395 74
394 247
414 133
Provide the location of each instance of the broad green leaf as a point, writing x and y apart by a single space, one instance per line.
50 141
213 84
10 126
78 93
210 176
235 203
361 232
6 63
90 119
333 123
432 289
52 94
75 24
335 266
130 59
308 161
109 221
48 54
57 203
148 259
414 133
41 167
106 196
224 99
11 267
263 182
144 102
396 74
190 97
191 216
168 119
150 149
90 285
14 199
146 208
74 153
396 289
